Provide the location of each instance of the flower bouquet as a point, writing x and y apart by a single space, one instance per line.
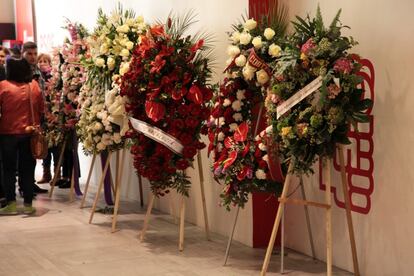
237 110
103 122
167 92
315 54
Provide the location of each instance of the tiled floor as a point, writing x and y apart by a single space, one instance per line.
59 241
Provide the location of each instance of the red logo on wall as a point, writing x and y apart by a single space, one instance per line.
359 163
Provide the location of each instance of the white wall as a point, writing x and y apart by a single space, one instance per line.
6 11
384 237
214 16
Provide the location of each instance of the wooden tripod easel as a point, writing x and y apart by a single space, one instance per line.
327 206
57 168
182 210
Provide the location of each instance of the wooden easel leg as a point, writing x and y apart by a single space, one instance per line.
348 209
100 187
59 164
182 221
118 190
203 196
302 188
171 206
116 172
282 245
147 217
277 221
88 181
141 193
72 186
226 256
327 178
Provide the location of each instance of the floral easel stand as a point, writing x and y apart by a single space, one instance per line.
326 167
182 210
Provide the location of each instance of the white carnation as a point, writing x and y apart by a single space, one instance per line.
233 127
250 24
238 117
220 136
262 147
226 102
240 60
129 45
257 42
245 38
269 33
236 105
240 95
260 174
98 126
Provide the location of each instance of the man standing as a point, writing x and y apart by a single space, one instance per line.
29 52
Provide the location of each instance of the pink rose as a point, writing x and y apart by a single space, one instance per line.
343 65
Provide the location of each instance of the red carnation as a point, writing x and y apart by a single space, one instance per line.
182 164
191 122
186 138
183 110
189 152
178 123
343 65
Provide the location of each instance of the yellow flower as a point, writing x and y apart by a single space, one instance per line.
286 131
303 56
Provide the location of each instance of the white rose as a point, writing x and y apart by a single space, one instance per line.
236 105
250 24
100 62
257 138
111 63
260 174
248 72
117 138
233 51
124 53
100 146
240 60
98 126
129 45
103 49
124 68
220 136
233 127
122 29
245 38
274 50
266 158
269 129
262 77
237 117
235 36
269 33
226 102
262 147
257 42
240 95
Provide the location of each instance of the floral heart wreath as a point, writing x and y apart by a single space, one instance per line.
166 87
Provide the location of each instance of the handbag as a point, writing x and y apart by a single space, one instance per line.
38 142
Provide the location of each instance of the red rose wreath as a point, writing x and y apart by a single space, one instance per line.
166 87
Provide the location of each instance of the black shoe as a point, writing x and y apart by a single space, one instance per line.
38 190
65 184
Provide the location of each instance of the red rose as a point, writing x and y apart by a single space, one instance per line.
189 152
182 164
186 139
258 153
308 46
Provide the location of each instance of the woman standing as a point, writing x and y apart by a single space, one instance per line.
17 94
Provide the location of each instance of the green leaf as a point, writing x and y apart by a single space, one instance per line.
360 117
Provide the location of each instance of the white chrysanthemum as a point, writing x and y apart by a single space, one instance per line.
233 127
235 36
262 147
